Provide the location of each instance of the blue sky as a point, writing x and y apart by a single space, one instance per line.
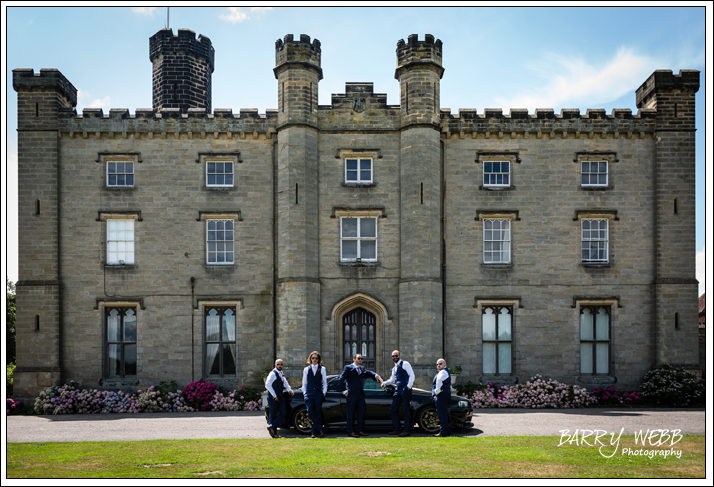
495 57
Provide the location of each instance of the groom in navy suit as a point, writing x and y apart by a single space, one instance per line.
351 379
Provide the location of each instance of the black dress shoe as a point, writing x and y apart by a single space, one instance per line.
272 432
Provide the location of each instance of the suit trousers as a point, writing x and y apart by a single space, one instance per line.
313 403
442 411
277 411
403 399
355 400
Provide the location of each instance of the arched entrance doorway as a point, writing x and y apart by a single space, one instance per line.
359 336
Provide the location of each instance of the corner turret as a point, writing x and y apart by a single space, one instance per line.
182 70
298 71
419 72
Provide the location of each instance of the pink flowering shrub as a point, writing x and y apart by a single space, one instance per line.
12 406
608 397
199 394
534 394
243 399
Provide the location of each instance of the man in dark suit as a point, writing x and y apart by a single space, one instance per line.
351 379
441 392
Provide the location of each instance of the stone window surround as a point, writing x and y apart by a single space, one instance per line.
224 173
482 215
498 156
118 156
356 153
205 306
502 243
515 304
497 341
101 305
106 309
596 155
216 217
104 216
218 156
375 213
596 214
614 304
359 160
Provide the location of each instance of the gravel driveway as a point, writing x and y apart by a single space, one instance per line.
251 424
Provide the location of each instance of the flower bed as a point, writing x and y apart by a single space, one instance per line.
167 397
534 394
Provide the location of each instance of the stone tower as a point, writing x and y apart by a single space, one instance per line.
182 70
40 97
298 71
419 72
676 319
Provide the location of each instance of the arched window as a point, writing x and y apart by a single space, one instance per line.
359 336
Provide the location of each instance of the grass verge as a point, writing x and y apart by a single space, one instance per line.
491 457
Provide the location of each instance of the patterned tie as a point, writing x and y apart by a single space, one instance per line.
359 370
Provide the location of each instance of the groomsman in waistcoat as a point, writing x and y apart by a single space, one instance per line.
351 379
276 383
441 392
314 388
403 378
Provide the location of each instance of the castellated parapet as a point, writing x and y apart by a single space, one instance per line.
302 51
419 52
182 69
28 80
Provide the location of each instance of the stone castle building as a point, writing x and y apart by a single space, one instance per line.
181 242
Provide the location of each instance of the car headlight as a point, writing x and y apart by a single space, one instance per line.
464 404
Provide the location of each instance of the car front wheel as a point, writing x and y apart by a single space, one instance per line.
301 421
428 420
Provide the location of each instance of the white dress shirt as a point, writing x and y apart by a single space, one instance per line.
440 378
271 378
408 368
314 371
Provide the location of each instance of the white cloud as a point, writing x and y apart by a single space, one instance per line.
84 100
234 15
143 10
574 82
701 270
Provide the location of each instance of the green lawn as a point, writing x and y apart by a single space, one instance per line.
513 456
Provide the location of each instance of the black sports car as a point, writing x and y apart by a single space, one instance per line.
379 402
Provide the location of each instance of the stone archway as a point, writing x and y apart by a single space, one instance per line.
371 305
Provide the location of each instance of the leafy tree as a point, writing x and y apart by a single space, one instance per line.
10 326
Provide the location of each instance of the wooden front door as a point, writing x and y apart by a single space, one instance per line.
358 336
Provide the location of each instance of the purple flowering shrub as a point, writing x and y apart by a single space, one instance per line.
535 394
608 397
166 397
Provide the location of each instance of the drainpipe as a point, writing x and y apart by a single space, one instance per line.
193 351
274 249
443 252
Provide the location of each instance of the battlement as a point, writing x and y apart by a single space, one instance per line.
663 81
27 79
416 51
568 123
288 50
164 41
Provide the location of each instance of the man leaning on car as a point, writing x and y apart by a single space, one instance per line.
351 378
